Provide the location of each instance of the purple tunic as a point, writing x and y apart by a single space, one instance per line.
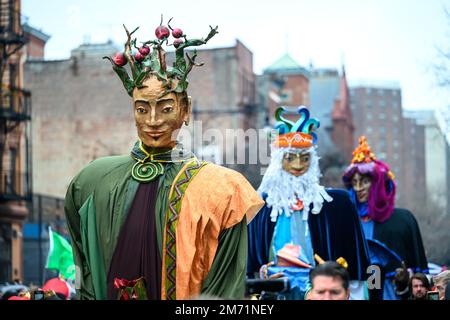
137 254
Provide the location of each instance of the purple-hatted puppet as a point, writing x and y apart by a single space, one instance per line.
393 233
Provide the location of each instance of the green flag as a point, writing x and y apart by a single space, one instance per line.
60 256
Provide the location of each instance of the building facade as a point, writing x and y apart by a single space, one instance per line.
15 162
377 112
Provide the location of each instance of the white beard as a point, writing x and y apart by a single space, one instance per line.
284 189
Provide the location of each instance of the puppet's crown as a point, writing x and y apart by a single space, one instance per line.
297 134
149 59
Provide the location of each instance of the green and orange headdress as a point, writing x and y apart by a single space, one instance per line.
149 59
297 134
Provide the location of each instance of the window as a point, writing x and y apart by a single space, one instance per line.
395 104
382 116
380 92
394 92
381 103
396 156
395 118
286 96
396 143
11 174
369 104
369 116
369 129
368 91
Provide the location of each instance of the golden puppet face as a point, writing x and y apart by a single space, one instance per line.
296 164
159 118
361 184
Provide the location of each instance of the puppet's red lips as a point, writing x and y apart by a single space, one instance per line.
155 134
361 194
296 172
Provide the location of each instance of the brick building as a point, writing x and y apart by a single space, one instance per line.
15 179
377 110
283 83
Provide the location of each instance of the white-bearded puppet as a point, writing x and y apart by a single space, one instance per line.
301 219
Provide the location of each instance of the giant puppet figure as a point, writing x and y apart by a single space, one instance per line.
159 223
372 189
301 219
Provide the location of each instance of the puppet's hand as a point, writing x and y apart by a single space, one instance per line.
263 272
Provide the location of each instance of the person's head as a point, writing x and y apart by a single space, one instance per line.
419 286
293 173
440 282
330 281
447 291
370 182
158 115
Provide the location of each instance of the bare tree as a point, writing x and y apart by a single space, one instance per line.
442 65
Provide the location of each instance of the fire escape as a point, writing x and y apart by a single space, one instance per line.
15 135
15 107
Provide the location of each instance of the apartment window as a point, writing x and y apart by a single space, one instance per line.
394 104
382 130
382 103
13 69
382 155
369 104
369 116
394 92
382 116
369 129
382 145
11 174
352 106
368 91
380 92
395 118
396 143
352 93
286 96
396 156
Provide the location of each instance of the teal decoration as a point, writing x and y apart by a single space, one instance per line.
304 124
146 171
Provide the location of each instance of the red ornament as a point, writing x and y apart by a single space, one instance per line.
177 33
119 59
138 57
298 206
177 42
144 50
162 32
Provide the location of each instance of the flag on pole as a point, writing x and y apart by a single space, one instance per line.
60 256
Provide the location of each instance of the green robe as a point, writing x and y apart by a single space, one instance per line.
96 206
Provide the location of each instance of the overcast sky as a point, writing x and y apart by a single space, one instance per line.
387 40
